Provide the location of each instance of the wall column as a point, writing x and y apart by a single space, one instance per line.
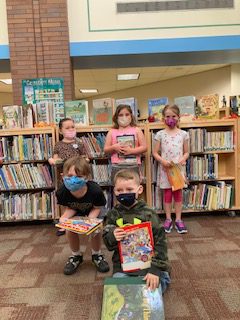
39 43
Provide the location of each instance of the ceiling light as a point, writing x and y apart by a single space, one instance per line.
88 90
130 76
6 81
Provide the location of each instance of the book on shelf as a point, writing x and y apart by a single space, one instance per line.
103 111
129 298
136 249
27 116
78 111
175 176
155 107
81 225
132 102
235 105
187 106
11 117
208 106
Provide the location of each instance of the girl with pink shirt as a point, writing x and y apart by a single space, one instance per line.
125 141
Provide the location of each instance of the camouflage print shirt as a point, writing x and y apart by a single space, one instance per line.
142 212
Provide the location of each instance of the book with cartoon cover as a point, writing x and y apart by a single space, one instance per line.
156 106
126 140
129 298
175 176
78 111
208 106
136 249
102 111
81 225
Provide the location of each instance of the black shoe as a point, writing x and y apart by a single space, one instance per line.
100 263
72 264
60 232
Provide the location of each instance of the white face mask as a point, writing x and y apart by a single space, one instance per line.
124 121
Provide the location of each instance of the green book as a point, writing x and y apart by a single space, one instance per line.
129 298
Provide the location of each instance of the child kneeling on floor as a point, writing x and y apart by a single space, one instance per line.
127 188
81 197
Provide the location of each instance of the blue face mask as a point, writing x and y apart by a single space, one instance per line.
74 183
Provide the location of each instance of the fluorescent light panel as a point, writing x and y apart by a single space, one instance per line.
88 90
128 76
6 81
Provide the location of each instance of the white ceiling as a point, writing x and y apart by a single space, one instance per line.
105 80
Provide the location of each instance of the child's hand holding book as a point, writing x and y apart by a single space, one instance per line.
152 281
119 234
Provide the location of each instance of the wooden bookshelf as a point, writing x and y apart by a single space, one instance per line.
26 179
228 160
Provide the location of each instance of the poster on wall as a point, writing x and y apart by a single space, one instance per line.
49 91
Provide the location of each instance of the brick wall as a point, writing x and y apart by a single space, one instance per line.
39 43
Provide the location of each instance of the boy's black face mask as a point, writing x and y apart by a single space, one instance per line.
126 199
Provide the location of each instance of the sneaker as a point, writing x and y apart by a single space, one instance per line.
60 232
100 263
180 226
168 225
72 264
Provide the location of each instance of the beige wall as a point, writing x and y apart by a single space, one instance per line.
215 81
6 98
3 23
100 22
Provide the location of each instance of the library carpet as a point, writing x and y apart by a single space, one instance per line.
205 274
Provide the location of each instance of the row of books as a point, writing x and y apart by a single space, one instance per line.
202 140
208 196
202 167
27 206
203 107
191 107
157 198
101 172
94 144
200 196
25 176
20 148
44 112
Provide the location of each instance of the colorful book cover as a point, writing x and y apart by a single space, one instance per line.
208 106
81 225
187 106
11 117
155 107
175 176
132 102
102 111
78 111
136 249
235 105
127 140
129 298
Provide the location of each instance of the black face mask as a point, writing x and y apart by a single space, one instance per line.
126 199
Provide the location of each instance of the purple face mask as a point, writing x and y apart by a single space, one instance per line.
171 122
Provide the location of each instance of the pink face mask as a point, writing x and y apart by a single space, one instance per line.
171 122
70 134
